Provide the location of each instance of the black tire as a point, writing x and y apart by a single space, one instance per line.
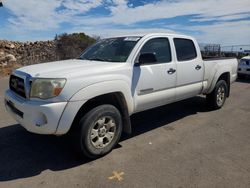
241 76
82 141
215 99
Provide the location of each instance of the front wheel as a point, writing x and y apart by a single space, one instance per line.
217 98
98 131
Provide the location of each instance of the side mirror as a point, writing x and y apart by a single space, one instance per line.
146 58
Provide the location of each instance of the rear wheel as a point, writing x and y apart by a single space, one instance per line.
217 98
98 131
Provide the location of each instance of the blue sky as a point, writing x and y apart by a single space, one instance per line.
211 21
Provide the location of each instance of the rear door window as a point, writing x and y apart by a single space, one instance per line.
185 49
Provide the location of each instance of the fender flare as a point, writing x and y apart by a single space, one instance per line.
83 95
221 70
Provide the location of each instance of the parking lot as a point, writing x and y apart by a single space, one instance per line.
178 145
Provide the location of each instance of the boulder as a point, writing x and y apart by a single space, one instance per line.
9 58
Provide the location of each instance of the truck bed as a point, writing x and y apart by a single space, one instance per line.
213 67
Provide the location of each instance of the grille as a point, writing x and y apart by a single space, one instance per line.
16 85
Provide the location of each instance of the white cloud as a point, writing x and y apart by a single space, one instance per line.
79 6
31 14
221 18
46 14
111 32
121 13
34 15
224 33
220 33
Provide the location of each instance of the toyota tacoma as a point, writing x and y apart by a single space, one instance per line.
91 98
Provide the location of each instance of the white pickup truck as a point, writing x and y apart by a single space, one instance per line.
92 98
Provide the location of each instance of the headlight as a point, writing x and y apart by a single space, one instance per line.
44 88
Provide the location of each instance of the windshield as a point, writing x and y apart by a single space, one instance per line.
245 62
111 50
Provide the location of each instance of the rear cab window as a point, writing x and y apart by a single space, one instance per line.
185 49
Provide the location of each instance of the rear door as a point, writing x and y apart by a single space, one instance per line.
190 68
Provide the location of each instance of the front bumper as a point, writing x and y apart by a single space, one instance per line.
35 116
244 69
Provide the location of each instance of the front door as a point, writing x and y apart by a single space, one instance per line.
154 83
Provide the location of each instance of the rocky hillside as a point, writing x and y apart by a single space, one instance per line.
17 54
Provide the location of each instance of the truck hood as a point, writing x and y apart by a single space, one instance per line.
79 74
68 68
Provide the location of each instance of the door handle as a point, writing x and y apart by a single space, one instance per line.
198 67
171 71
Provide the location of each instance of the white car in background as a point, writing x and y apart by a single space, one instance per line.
244 67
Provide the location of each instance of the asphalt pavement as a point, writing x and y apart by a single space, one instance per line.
179 145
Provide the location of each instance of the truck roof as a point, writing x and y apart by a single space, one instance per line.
152 34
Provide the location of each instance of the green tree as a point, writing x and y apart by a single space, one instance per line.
70 46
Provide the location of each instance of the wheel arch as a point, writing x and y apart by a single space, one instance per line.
116 99
118 90
221 75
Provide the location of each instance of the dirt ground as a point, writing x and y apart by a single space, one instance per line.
178 145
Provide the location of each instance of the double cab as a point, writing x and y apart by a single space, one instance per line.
91 98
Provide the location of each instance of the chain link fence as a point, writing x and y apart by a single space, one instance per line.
217 50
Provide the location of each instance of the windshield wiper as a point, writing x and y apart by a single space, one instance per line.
97 59
100 59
